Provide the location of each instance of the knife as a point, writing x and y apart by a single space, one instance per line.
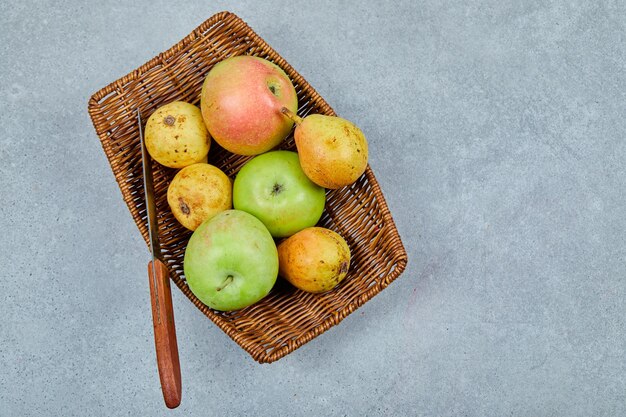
160 294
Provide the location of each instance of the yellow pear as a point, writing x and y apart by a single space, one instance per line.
197 193
176 135
332 150
314 260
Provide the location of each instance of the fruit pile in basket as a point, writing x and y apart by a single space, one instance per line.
248 106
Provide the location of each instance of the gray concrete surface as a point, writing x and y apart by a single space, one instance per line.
497 133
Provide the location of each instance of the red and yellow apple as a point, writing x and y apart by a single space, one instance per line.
241 104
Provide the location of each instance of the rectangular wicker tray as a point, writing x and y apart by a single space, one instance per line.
287 318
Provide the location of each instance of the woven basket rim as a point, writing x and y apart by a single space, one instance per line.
400 259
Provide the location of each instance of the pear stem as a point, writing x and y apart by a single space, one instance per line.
296 119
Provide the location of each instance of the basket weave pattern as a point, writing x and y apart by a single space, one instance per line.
287 318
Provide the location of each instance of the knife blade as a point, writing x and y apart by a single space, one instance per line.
148 187
160 292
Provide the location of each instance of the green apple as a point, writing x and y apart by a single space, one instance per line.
273 188
231 261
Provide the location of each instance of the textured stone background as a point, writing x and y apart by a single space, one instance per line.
497 133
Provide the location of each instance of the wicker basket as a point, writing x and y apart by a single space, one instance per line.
287 318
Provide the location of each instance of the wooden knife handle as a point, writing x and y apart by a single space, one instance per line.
165 334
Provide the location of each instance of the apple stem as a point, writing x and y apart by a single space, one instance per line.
227 281
297 119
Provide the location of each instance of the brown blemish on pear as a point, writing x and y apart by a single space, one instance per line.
184 208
